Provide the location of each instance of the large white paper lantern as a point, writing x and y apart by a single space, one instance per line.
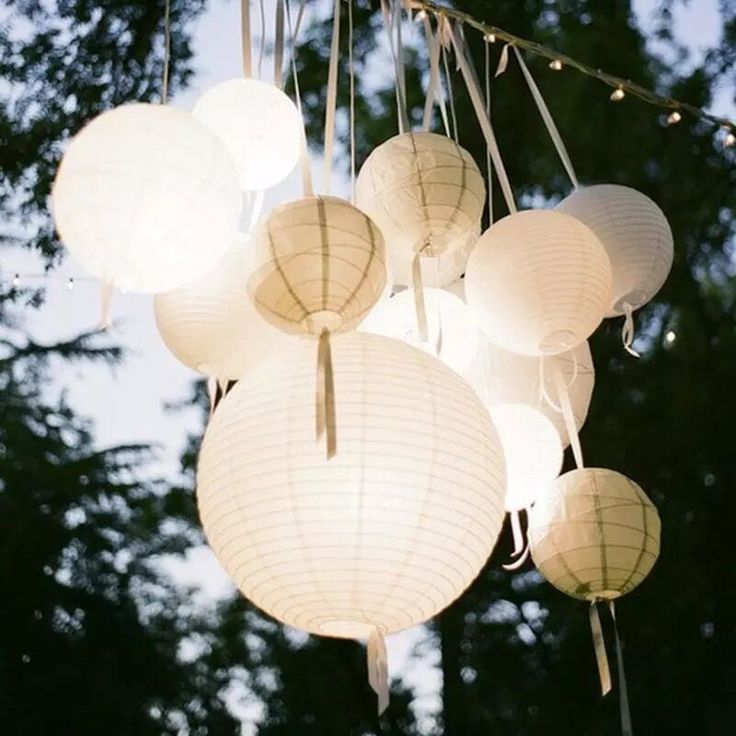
594 534
533 451
502 377
426 194
539 282
146 198
388 532
452 332
635 234
260 126
321 266
211 324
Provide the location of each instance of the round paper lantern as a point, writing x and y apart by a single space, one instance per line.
635 234
211 324
146 198
322 266
539 282
384 535
452 332
533 452
260 126
502 377
594 534
426 194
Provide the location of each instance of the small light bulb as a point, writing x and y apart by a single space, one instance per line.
70 283
670 336
16 280
555 65
617 95
729 140
673 118
491 37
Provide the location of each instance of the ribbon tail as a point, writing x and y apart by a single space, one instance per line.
599 646
627 332
213 393
564 398
246 38
325 395
378 668
518 563
517 533
331 104
419 305
623 694
105 301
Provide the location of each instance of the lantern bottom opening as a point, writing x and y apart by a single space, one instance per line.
634 299
345 629
603 595
324 319
557 342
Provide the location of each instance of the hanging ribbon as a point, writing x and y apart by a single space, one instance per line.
351 72
489 170
167 53
245 33
518 563
378 668
599 646
389 16
213 393
440 337
627 331
503 61
434 88
623 693
278 46
106 290
262 50
483 118
450 94
554 134
564 398
417 286
331 96
325 395
521 547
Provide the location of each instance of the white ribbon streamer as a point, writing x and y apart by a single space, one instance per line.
564 398
627 331
599 647
503 61
247 41
388 18
278 47
434 88
331 97
623 693
378 668
167 53
106 291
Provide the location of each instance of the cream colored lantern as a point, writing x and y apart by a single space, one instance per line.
146 198
211 324
637 239
426 194
502 377
595 534
539 282
260 126
384 535
452 332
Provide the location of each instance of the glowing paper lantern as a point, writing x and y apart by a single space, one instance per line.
533 452
635 234
426 194
538 282
595 534
260 126
211 324
146 198
502 377
452 332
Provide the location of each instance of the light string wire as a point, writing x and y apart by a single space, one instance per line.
167 53
624 85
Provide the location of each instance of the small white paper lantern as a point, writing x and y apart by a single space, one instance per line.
502 377
260 126
388 532
539 282
321 266
595 534
211 324
635 234
146 198
426 194
452 332
532 449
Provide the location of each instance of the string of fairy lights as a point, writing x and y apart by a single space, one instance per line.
725 128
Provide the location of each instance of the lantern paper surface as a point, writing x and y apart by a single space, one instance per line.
539 282
594 534
500 376
321 266
146 198
259 125
382 536
635 234
211 324
452 332
426 194
533 452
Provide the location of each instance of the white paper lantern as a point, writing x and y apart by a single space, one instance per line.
388 532
260 126
426 194
502 377
146 198
211 324
595 534
635 234
532 449
321 266
539 282
452 332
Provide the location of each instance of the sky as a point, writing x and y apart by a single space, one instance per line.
128 405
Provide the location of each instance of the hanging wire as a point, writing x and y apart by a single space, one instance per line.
351 71
489 166
262 51
621 86
167 53
450 95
